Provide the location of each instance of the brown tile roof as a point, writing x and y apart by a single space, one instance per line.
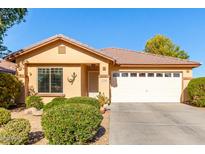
52 39
130 57
118 55
6 66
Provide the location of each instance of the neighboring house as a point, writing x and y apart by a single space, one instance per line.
7 67
60 66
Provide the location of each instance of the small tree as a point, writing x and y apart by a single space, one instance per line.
162 45
8 18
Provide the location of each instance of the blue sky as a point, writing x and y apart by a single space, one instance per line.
123 28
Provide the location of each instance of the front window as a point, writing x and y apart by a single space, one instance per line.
124 74
150 74
176 75
168 75
159 75
142 74
133 74
116 75
50 80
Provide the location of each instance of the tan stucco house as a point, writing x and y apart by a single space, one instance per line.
60 66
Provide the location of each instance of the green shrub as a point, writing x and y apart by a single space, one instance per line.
79 100
56 101
34 101
10 88
15 132
196 91
5 116
85 100
71 123
59 99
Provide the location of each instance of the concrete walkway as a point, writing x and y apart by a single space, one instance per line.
156 123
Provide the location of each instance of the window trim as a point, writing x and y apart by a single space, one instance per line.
58 94
51 94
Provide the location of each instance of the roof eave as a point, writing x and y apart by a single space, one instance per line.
18 53
2 69
161 65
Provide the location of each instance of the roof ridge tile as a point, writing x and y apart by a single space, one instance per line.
141 52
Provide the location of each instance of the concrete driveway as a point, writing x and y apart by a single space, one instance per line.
156 123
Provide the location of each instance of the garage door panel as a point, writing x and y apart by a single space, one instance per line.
146 89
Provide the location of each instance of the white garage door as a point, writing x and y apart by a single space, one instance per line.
146 87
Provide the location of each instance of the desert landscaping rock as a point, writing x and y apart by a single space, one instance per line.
30 110
102 137
33 111
37 112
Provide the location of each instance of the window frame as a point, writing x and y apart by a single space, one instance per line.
176 76
50 80
124 73
115 73
133 73
37 81
150 73
142 76
169 74
161 74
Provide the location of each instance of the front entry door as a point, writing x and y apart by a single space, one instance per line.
93 83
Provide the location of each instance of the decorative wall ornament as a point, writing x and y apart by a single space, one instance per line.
72 79
31 91
21 66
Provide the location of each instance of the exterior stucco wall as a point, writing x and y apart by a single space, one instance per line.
77 60
104 79
84 80
74 60
186 75
69 90
49 54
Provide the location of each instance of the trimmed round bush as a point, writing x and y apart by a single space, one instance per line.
10 88
15 132
80 100
59 99
196 91
85 100
5 116
34 101
56 101
71 123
